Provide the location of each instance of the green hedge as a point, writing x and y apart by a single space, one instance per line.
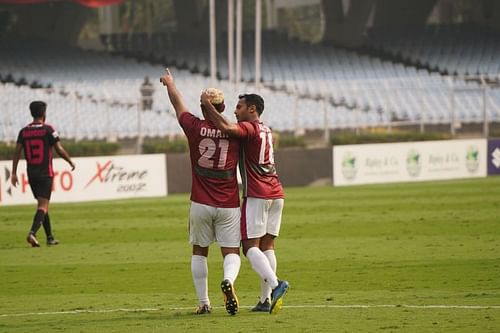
162 146
352 138
6 151
90 148
180 145
74 149
495 133
287 141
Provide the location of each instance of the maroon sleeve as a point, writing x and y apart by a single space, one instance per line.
247 129
188 122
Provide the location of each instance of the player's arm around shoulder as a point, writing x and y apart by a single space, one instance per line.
221 122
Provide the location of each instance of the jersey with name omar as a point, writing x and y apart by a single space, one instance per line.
214 157
37 140
259 176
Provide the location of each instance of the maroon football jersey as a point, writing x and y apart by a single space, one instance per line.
214 157
259 176
37 140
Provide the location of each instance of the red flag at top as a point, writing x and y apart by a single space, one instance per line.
87 3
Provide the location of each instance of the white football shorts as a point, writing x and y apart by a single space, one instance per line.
208 224
260 217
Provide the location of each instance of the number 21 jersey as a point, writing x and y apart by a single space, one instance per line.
214 157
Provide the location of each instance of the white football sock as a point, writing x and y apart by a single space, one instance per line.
265 290
199 270
261 265
232 264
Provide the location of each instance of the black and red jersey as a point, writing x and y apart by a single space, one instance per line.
37 140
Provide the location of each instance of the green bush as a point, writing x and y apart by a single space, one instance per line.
495 133
287 141
352 138
6 151
90 148
74 149
162 146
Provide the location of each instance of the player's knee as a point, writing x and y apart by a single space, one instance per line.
267 242
230 250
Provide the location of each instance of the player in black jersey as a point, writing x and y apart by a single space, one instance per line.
37 140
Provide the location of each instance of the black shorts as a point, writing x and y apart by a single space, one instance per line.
41 187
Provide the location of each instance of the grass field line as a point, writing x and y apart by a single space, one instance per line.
49 313
304 306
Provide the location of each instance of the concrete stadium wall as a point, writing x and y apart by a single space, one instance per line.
402 13
59 22
301 167
178 173
346 29
192 18
296 167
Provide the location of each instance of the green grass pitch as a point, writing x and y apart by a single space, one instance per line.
419 257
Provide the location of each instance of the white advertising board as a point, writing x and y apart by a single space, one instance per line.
95 178
409 161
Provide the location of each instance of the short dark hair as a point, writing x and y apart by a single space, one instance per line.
37 109
254 99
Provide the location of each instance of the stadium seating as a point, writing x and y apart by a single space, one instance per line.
348 79
449 49
306 87
94 95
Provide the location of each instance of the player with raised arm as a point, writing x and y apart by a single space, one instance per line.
37 140
263 196
215 205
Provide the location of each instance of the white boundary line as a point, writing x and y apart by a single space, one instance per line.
76 312
305 306
362 306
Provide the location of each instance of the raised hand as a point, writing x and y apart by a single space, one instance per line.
167 77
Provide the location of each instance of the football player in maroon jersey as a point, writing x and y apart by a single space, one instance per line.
263 196
214 214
